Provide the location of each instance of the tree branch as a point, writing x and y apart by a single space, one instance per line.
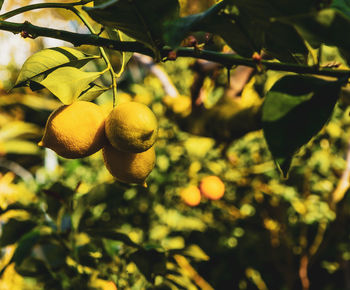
226 60
40 6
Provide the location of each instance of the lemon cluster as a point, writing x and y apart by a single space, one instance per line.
126 136
210 187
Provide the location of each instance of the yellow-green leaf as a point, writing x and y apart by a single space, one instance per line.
46 60
67 83
92 92
18 129
20 147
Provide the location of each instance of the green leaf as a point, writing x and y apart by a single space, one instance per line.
295 109
342 5
25 246
52 254
150 263
45 61
104 193
93 91
13 230
67 83
1 3
139 19
246 27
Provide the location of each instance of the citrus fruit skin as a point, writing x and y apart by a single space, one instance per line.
131 127
212 187
129 167
76 130
191 195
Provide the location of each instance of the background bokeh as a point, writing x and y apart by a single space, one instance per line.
78 228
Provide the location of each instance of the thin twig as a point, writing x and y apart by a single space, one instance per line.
305 282
343 184
160 73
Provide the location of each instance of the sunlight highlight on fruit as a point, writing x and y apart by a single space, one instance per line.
191 195
212 187
76 130
132 127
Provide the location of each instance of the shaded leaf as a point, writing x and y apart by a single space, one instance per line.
150 263
31 208
92 92
51 254
32 267
246 27
295 109
324 27
1 3
25 246
113 235
67 83
342 5
47 60
13 230
141 20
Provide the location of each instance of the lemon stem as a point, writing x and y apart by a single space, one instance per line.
102 51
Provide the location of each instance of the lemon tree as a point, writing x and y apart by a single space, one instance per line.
264 85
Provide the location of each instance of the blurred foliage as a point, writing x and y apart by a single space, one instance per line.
66 224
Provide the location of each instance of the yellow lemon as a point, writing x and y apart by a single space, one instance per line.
129 167
131 127
76 130
212 187
191 195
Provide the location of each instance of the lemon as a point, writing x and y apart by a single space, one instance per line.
129 167
76 130
131 127
191 195
212 187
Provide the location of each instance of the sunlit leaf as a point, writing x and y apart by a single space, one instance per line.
67 83
194 251
17 146
46 60
295 109
141 20
18 129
